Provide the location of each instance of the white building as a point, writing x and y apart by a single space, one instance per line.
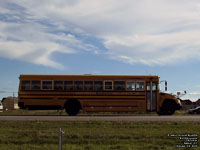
1 107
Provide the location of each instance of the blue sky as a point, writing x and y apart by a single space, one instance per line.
157 37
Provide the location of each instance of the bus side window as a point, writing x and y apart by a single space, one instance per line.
25 85
47 85
58 85
35 85
88 86
108 85
139 85
119 85
130 85
68 85
78 85
98 85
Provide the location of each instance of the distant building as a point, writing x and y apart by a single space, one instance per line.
10 103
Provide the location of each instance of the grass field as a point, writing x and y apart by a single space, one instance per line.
94 135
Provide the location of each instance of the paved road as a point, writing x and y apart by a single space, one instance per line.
104 118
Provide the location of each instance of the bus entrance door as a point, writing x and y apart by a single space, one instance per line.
151 96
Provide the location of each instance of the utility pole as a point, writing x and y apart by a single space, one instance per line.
60 139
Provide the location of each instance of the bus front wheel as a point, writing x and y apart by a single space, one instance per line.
168 108
72 107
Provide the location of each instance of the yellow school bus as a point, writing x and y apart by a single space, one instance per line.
95 93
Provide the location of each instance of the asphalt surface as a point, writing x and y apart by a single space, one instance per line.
102 118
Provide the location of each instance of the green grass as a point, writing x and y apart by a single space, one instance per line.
94 135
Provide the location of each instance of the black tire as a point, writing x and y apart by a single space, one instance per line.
72 107
168 108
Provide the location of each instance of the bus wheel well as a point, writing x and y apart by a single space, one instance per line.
168 107
21 105
72 107
169 101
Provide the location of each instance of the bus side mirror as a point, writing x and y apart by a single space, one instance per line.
165 85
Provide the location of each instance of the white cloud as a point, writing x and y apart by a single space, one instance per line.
193 96
155 49
194 93
151 32
28 42
31 42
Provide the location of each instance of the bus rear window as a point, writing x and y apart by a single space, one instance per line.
98 85
35 85
47 85
25 85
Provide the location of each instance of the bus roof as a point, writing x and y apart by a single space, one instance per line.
85 77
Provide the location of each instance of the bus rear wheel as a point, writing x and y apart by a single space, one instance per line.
72 107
